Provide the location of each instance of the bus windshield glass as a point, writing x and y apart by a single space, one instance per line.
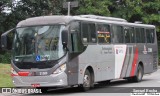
38 43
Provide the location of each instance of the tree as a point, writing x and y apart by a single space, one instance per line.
96 7
4 4
128 9
151 12
145 11
32 8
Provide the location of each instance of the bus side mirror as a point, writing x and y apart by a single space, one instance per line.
64 38
4 41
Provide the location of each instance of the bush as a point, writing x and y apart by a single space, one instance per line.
5 58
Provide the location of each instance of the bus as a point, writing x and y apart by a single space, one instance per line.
60 51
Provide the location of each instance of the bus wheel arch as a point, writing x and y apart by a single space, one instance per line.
142 65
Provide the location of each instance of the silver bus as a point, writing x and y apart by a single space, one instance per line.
59 51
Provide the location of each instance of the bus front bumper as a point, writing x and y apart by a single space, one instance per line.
54 80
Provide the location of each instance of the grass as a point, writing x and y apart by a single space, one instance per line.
5 77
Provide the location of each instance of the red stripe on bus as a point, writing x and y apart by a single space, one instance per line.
134 63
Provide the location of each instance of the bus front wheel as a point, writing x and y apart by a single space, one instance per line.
87 81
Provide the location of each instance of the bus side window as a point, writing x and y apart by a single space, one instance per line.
142 35
88 33
85 34
132 35
150 35
92 33
117 36
138 35
103 31
127 35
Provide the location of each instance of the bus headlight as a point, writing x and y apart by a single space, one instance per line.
61 69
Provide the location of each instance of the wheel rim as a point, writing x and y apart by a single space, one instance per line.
86 82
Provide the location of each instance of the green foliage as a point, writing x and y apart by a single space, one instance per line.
3 15
146 11
96 7
151 13
129 9
5 58
32 8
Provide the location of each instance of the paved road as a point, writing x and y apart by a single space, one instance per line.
115 88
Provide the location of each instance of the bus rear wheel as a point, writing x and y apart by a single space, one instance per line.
139 75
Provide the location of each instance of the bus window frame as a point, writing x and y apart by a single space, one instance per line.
133 29
140 36
88 22
128 29
70 45
112 33
154 30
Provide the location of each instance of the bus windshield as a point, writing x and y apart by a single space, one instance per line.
38 43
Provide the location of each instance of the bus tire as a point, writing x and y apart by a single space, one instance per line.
139 75
87 81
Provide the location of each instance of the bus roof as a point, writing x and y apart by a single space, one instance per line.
60 19
44 20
